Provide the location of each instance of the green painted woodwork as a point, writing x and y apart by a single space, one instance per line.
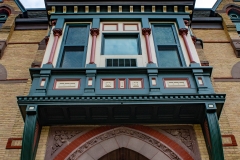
60 22
28 148
180 22
122 17
216 149
145 22
96 74
167 46
74 46
96 23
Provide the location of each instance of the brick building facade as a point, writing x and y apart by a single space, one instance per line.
158 120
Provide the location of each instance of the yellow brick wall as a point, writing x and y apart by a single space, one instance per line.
17 60
42 145
229 120
222 57
28 36
201 142
9 115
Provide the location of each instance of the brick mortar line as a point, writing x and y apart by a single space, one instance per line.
216 41
23 43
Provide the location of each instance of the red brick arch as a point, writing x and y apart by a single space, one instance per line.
172 145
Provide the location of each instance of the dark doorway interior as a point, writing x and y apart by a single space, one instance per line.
123 154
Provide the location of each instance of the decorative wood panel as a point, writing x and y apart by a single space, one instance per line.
135 83
110 27
130 27
176 83
67 84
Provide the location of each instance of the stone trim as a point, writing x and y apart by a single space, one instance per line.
233 140
3 72
146 134
10 144
3 45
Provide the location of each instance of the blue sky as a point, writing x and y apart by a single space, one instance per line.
40 3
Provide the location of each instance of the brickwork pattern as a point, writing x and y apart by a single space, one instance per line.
42 143
17 60
28 36
210 35
201 142
9 116
222 57
229 120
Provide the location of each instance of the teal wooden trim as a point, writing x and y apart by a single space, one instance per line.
178 98
60 56
28 148
21 7
215 6
216 149
90 75
180 23
96 23
177 45
145 23
60 22
126 16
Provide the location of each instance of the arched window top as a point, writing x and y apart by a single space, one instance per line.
233 12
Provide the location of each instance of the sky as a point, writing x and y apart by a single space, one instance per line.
40 3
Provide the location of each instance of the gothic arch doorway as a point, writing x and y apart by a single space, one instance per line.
142 139
123 154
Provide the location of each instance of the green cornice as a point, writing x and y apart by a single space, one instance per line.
155 99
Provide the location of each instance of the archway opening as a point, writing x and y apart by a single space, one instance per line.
123 154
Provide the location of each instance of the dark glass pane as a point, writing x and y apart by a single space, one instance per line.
109 63
73 59
164 35
120 46
168 58
121 62
127 62
133 63
76 35
115 62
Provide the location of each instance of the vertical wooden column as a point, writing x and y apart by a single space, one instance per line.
212 133
31 134
94 32
183 32
146 32
57 32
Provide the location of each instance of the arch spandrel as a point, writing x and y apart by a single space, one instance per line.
144 137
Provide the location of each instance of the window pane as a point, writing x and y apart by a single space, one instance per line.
73 59
164 35
120 46
168 58
77 35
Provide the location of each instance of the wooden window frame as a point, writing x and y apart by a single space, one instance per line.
177 46
80 46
